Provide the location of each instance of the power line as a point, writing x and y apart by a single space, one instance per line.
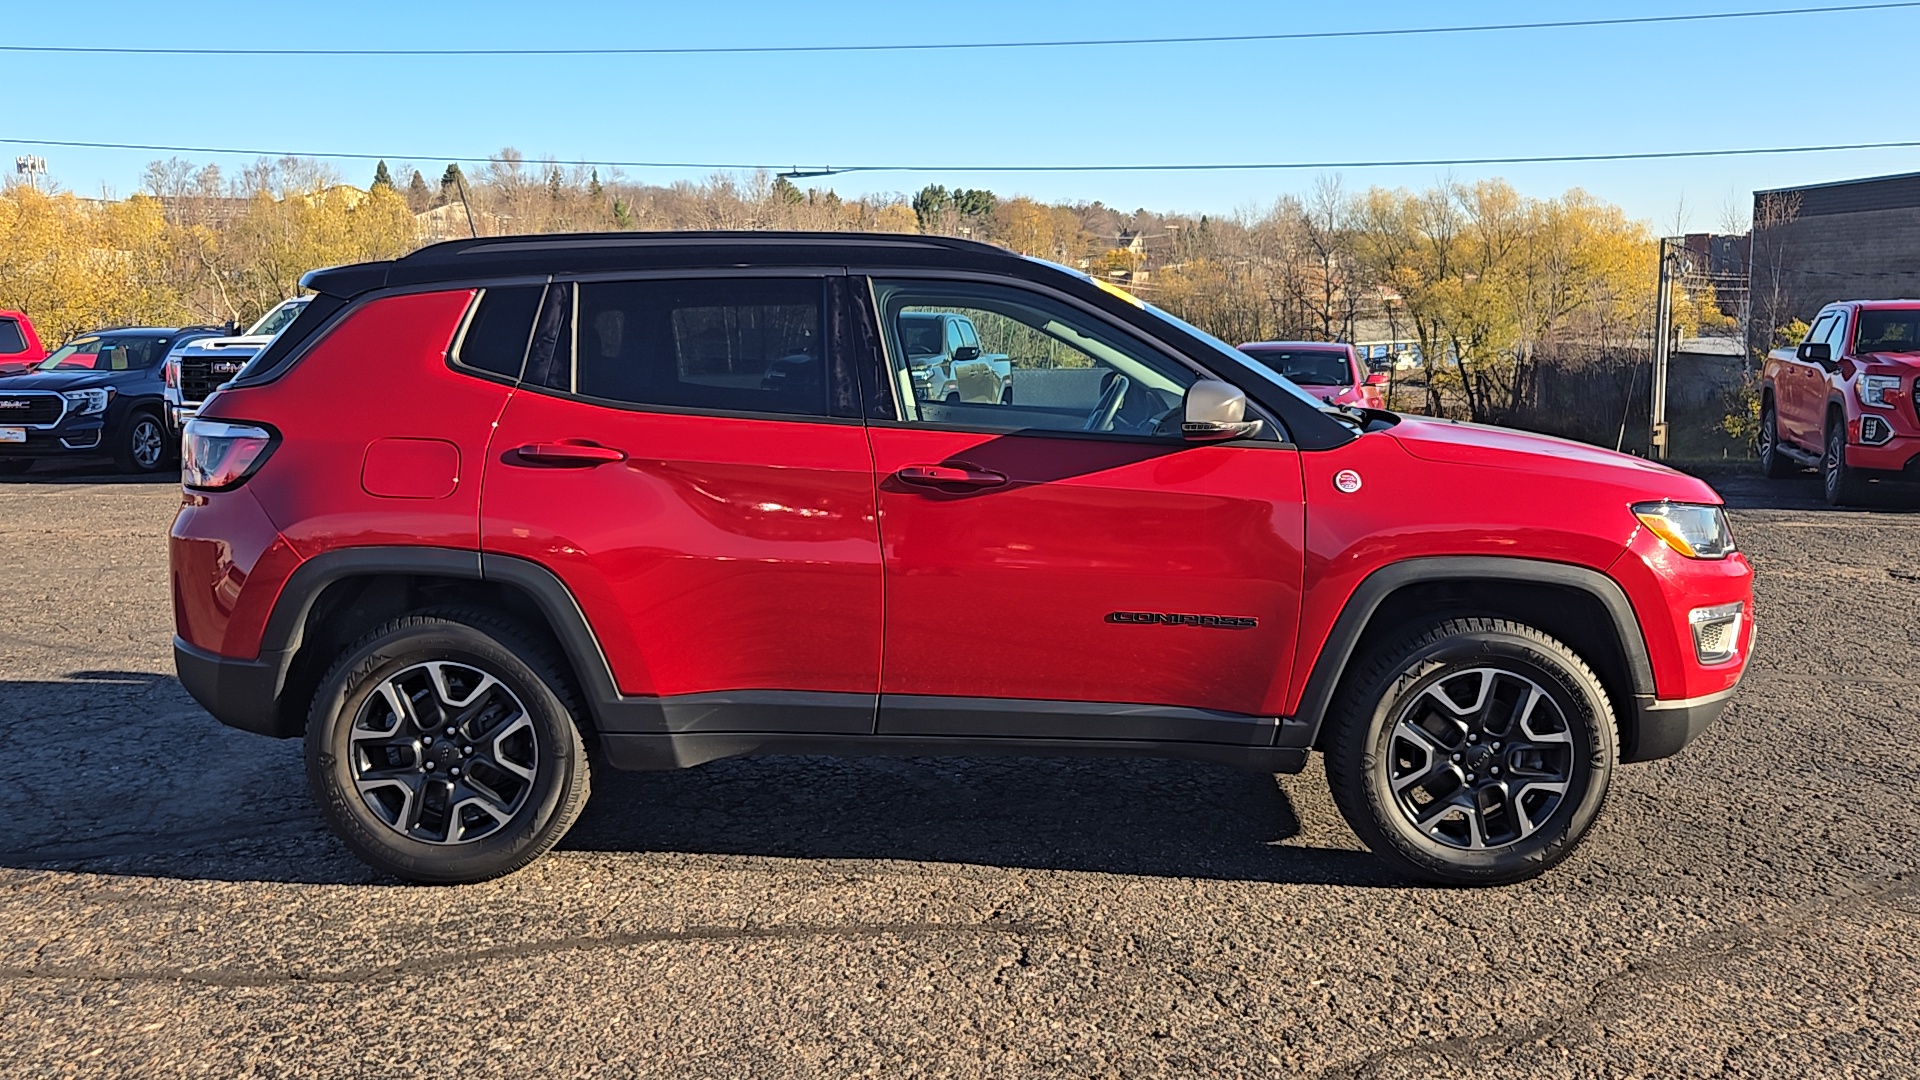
1207 39
830 170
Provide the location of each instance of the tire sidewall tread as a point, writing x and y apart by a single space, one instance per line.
1372 701
532 671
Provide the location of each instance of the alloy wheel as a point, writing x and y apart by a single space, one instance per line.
443 753
148 445
1481 758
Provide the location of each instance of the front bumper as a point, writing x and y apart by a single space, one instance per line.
74 437
1666 727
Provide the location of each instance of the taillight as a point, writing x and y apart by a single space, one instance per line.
216 455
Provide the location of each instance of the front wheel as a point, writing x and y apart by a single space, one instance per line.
442 749
1476 752
1840 481
143 445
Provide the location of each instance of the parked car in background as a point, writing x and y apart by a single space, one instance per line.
98 395
1843 400
1330 371
197 368
575 507
19 344
945 363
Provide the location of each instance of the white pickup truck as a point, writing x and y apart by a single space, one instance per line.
197 368
943 353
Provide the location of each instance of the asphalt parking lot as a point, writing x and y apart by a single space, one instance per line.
171 904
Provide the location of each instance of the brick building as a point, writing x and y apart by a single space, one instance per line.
1853 239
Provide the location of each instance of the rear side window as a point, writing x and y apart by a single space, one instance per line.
745 345
11 339
496 337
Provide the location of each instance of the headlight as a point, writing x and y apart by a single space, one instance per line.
216 455
1875 388
1695 530
87 402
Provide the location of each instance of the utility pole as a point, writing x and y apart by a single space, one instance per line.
1662 343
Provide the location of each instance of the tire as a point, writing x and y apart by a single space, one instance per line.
15 466
388 788
1567 738
1006 396
141 446
1774 464
1839 481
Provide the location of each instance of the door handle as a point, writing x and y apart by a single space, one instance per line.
572 454
941 476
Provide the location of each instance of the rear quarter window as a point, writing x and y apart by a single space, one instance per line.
496 335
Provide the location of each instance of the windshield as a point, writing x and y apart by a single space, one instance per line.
1895 330
1308 367
278 319
106 354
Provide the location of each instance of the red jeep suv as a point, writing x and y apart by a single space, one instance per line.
672 497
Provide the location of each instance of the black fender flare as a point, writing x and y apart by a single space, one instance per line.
1336 654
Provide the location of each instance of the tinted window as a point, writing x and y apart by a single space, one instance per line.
11 339
1308 367
1836 334
751 345
920 335
1895 331
496 336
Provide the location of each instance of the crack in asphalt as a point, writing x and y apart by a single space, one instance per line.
229 977
1684 962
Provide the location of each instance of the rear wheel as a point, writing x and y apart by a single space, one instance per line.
1476 752
1841 482
442 748
142 447
1773 463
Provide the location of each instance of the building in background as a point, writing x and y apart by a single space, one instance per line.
1852 239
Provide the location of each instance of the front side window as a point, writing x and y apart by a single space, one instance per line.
11 339
726 345
1043 364
1836 337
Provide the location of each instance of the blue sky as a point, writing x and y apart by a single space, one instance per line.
1756 82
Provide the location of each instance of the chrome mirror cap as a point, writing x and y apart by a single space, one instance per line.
1215 412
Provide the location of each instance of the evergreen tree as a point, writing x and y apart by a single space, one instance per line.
593 184
452 181
786 192
418 196
381 177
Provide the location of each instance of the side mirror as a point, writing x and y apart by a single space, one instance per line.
1378 378
1215 412
964 353
1816 352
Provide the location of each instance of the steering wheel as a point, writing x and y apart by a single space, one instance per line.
1108 407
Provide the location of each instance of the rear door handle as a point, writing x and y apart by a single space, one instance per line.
573 454
941 476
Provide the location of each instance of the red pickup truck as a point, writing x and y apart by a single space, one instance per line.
1842 400
19 346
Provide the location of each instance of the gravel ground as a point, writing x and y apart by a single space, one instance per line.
171 904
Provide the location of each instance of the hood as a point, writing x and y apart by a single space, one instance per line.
78 379
1905 359
1504 448
224 344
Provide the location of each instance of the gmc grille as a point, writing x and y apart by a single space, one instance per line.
30 407
202 375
